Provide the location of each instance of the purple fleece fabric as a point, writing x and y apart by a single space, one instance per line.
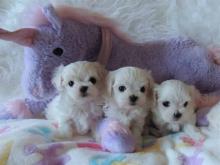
64 41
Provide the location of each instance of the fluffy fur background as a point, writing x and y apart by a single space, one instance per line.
143 19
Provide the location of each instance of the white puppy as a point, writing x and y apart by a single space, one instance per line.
129 99
174 107
80 88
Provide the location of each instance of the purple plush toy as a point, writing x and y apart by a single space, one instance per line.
66 34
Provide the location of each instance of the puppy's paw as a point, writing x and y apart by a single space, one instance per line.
82 128
83 131
193 132
174 127
64 131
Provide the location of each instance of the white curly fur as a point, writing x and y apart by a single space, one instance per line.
136 83
174 107
74 109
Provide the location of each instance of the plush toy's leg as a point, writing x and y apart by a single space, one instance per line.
37 107
214 53
206 103
15 109
22 109
115 137
208 100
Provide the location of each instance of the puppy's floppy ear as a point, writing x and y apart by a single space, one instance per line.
155 97
57 79
150 86
195 94
156 89
110 81
102 72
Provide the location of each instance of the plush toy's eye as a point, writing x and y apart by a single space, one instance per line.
142 89
185 104
166 103
71 83
92 80
58 51
122 88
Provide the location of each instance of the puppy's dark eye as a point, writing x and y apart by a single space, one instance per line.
185 104
58 51
92 80
166 103
71 83
122 88
142 89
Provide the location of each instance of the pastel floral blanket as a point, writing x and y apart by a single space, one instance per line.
33 142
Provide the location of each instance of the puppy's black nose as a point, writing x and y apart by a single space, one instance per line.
177 115
83 89
133 98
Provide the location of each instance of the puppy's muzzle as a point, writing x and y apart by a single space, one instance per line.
133 99
83 90
177 115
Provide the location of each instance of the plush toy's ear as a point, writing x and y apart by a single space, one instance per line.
110 82
57 79
53 18
23 36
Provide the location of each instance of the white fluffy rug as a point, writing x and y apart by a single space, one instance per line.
142 19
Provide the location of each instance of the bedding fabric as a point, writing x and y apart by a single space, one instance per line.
30 142
34 142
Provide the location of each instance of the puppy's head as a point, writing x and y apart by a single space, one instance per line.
130 87
80 80
175 101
